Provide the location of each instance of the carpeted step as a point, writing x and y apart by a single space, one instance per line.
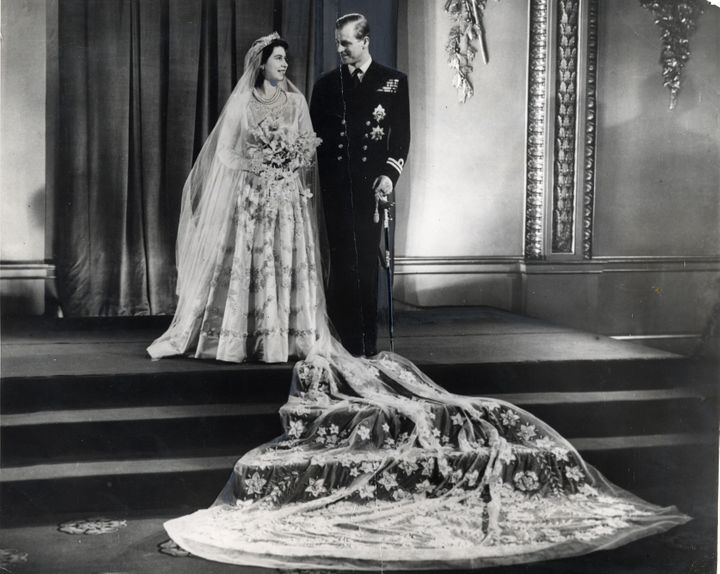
135 433
185 381
176 431
205 384
30 493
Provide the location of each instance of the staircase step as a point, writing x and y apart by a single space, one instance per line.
569 376
137 414
153 466
235 384
178 430
111 468
139 438
196 382
261 408
637 463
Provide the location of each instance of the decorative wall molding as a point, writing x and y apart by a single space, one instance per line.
657 337
563 213
468 29
664 264
26 270
588 182
455 259
456 265
513 265
659 258
688 344
535 175
678 22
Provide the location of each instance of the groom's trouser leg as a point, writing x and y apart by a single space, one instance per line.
368 269
343 292
352 291
343 301
368 243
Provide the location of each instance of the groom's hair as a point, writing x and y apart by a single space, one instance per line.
362 28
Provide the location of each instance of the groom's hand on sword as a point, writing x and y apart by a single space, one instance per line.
382 186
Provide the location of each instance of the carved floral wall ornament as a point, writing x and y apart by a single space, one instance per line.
565 125
464 35
561 124
536 130
678 21
589 148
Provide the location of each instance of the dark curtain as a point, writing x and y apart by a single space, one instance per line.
382 17
141 82
298 28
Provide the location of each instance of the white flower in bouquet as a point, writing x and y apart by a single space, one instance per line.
277 152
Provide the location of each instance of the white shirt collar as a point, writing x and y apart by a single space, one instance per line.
363 68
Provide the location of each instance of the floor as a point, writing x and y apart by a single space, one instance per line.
449 335
139 545
125 542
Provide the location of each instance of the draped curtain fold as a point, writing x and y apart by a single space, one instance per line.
141 82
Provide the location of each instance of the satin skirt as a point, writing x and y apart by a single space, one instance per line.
259 299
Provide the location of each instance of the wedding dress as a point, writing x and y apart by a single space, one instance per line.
247 270
381 468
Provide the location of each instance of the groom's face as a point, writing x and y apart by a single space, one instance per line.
350 49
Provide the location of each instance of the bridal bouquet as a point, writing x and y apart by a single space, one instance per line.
277 152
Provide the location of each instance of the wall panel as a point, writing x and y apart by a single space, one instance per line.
463 190
658 171
22 171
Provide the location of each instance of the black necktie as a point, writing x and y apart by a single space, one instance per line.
356 78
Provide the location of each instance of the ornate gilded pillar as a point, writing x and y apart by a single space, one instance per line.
561 123
588 175
566 100
535 171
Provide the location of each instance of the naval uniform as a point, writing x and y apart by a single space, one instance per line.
365 128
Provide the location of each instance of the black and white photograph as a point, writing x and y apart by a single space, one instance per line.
323 286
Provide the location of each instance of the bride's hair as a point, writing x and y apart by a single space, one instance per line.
266 53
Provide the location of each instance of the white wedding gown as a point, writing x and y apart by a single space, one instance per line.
378 467
252 295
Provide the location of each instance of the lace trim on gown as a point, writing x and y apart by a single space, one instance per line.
379 468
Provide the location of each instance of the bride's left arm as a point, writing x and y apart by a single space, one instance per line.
304 122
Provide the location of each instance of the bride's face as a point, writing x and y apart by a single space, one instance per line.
276 65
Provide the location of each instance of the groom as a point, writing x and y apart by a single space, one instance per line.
361 112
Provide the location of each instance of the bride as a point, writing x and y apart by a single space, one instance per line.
378 467
246 249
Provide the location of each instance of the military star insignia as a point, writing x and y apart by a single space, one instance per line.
379 114
377 133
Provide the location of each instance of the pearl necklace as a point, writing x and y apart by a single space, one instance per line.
267 101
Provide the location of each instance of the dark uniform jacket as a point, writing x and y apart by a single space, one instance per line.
366 133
